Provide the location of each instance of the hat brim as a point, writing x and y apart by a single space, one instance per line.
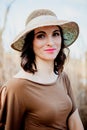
70 31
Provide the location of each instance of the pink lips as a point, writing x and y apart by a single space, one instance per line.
50 50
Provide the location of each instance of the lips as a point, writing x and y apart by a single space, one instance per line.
50 49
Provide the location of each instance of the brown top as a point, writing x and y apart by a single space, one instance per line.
34 106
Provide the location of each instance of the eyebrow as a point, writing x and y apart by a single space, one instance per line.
56 30
39 32
44 32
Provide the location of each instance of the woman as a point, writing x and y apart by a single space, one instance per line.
40 97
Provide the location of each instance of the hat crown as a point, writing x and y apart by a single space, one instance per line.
38 13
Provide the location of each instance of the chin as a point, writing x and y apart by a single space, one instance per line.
50 58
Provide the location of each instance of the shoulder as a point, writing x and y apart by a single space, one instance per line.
64 76
14 85
14 93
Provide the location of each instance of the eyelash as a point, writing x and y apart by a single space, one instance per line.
56 34
40 36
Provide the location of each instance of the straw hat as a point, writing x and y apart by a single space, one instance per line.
45 17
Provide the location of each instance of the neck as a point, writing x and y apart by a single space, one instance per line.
45 67
45 73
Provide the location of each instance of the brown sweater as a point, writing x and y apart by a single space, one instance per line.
34 106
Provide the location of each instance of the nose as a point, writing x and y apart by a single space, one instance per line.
50 41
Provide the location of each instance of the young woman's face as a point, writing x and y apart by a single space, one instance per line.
47 42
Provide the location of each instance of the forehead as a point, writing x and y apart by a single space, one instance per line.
47 28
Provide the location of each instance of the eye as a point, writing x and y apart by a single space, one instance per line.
40 36
55 34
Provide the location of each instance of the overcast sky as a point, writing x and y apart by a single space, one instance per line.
75 10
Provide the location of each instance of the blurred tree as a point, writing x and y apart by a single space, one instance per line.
1 45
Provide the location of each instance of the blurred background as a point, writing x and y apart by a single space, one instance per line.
13 14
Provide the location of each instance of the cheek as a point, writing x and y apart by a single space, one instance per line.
58 44
37 46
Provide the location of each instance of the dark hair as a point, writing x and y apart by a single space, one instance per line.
28 55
